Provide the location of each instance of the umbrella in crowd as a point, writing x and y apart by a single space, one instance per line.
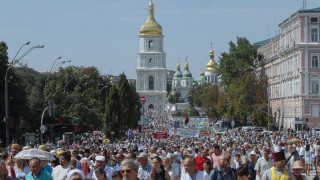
30 153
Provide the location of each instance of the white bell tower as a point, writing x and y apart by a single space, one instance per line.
151 69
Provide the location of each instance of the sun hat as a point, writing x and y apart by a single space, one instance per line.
297 165
253 153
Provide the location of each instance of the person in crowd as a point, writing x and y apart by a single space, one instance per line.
117 175
158 171
238 161
44 164
207 166
263 163
10 168
215 156
191 172
307 159
168 167
85 165
75 156
101 163
279 170
291 156
129 169
145 168
222 172
200 160
14 150
21 168
36 172
250 165
297 169
119 157
100 174
60 171
75 174
3 174
242 173
72 164
104 152
54 163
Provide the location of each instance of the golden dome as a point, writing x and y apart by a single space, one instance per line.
111 79
186 66
202 73
151 27
178 67
212 65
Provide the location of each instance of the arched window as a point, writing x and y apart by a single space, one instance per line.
315 61
151 82
150 60
150 45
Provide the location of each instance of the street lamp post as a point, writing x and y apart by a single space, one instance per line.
13 62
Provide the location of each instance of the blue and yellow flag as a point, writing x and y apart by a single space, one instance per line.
200 122
219 131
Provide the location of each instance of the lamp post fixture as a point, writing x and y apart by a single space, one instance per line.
103 88
13 62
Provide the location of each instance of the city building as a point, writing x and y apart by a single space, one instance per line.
291 63
151 68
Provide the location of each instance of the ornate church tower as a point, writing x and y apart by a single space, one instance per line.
151 69
210 72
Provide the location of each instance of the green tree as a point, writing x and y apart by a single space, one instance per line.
237 61
196 93
209 100
173 99
111 120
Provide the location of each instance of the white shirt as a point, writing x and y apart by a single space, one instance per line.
200 175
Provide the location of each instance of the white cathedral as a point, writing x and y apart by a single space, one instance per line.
183 82
151 69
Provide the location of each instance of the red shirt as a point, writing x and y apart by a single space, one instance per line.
200 161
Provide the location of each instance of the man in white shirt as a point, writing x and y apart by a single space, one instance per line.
192 173
100 163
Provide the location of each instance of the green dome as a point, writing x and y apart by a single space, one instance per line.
186 74
177 75
202 79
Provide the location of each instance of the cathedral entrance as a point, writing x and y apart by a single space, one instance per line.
151 106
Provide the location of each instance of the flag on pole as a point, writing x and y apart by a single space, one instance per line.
200 122
186 120
130 134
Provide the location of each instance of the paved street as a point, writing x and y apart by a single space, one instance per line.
312 174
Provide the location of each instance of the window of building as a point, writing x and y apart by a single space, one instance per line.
315 87
315 61
150 60
187 83
151 82
314 34
315 110
150 45
314 19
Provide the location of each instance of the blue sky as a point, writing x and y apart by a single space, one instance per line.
105 33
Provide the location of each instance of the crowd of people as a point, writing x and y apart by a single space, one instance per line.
233 154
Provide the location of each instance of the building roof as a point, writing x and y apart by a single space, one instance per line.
261 43
314 10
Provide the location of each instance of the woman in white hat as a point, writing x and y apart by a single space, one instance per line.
251 163
297 169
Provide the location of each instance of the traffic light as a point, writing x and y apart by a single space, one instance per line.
61 119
